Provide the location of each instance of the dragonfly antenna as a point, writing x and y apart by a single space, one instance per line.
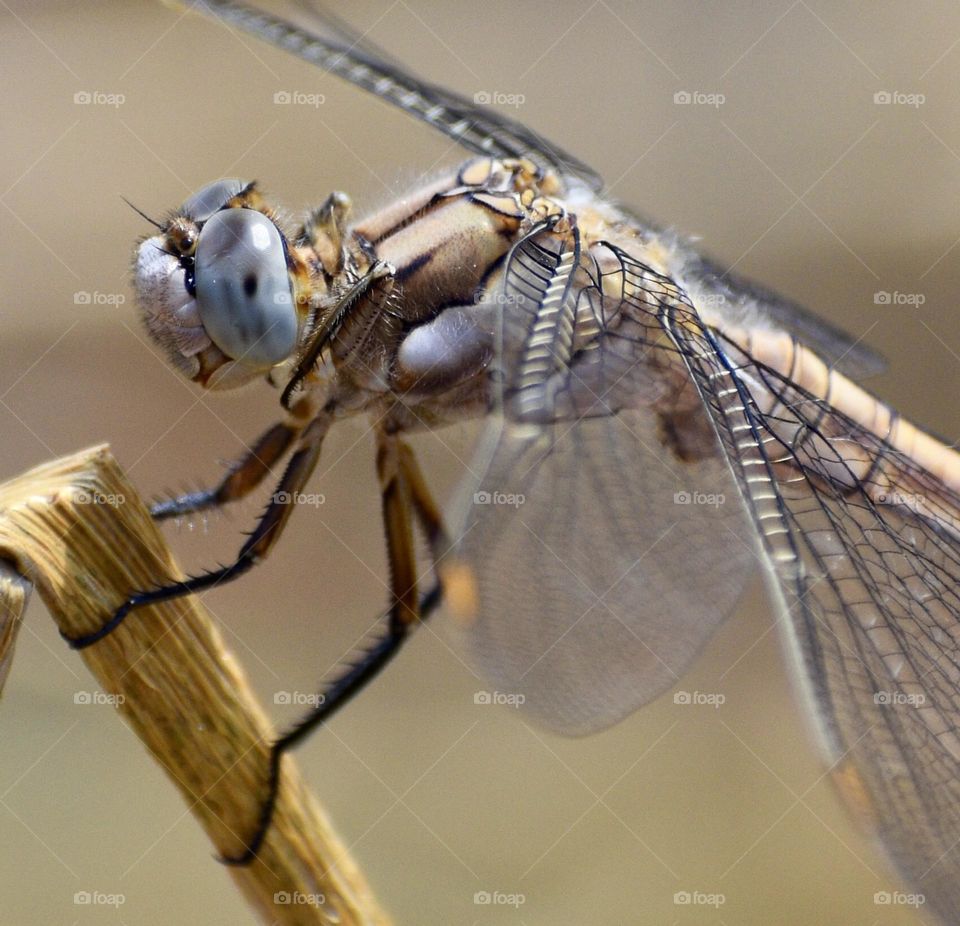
142 214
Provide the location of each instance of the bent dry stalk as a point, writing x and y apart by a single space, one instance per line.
172 679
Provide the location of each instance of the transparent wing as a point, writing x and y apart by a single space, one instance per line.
736 295
603 527
863 549
847 354
478 128
860 541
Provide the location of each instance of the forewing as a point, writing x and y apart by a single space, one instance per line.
865 567
604 534
848 354
342 52
745 301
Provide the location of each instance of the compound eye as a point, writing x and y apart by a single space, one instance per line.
243 288
211 198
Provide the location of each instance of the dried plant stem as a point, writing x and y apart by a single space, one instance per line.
76 529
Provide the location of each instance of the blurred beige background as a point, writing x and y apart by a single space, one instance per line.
798 177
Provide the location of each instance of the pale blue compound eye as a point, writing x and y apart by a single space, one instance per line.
213 197
243 288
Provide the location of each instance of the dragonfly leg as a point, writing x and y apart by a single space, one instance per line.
244 474
379 277
259 543
424 507
404 495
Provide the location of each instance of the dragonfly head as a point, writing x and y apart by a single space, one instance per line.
217 288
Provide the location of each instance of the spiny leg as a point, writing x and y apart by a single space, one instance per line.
261 540
245 473
404 494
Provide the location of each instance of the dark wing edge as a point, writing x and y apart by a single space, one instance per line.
472 125
850 355
869 601
842 351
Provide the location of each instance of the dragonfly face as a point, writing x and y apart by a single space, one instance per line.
623 374
214 288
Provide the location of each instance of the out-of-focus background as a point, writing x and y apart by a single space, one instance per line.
797 176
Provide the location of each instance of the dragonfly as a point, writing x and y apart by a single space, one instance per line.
656 430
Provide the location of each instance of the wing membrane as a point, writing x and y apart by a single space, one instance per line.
839 349
744 298
599 577
604 531
867 572
594 596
